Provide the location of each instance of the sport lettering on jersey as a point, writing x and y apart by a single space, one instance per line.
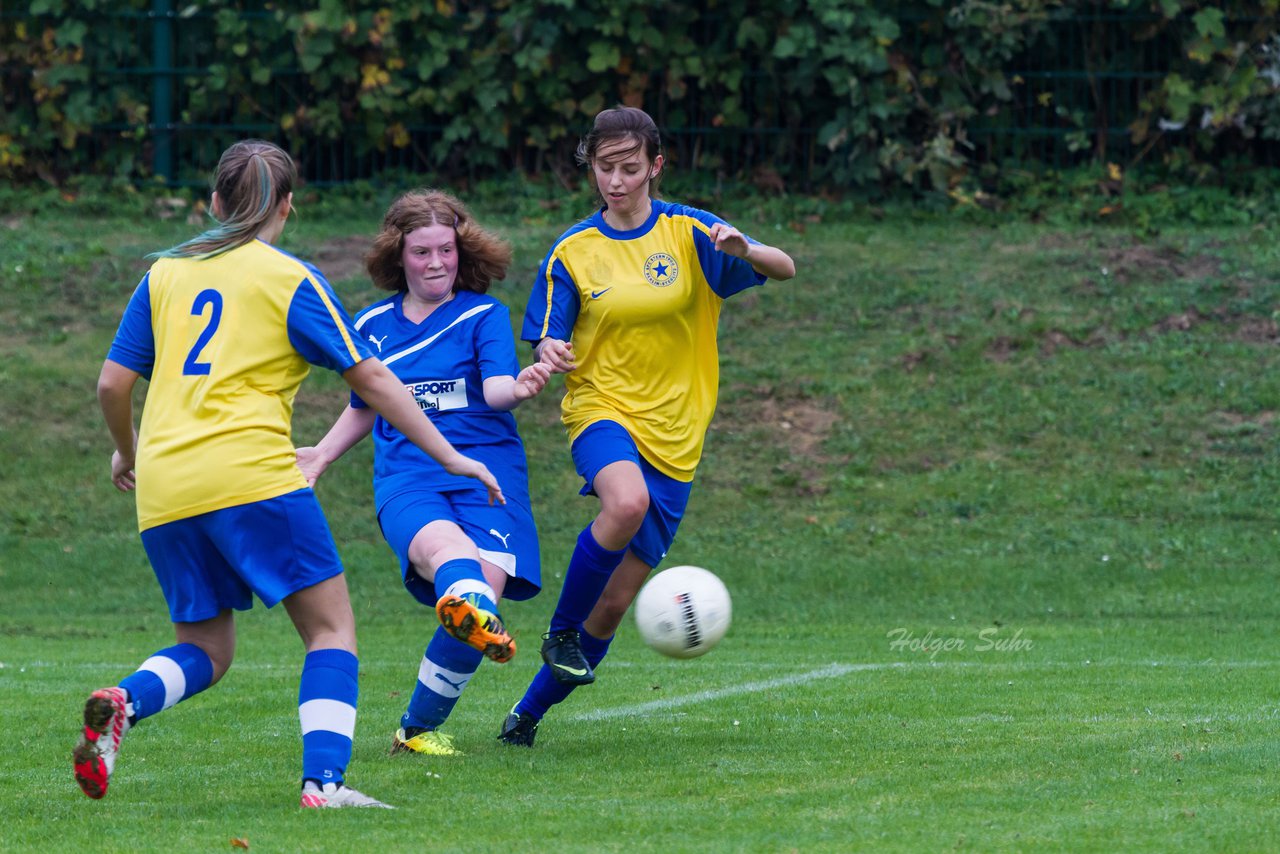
439 395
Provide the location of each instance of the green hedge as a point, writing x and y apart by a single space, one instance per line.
845 93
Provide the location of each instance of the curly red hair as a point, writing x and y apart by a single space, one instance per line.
482 255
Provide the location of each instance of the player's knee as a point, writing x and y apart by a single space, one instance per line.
220 667
627 512
220 657
438 550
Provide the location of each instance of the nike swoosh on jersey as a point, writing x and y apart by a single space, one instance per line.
598 294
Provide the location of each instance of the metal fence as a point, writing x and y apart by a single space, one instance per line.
1075 93
183 152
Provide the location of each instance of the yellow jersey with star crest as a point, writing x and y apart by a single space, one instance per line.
642 309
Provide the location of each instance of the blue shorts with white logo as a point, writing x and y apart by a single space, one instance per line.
208 563
504 534
608 442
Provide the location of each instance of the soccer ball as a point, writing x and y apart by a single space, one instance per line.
683 611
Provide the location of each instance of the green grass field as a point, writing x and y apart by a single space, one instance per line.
996 506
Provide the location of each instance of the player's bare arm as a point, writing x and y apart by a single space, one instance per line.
348 431
506 393
556 353
115 396
764 259
380 388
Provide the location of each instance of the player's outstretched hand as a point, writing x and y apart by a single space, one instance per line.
311 464
558 354
531 380
729 240
122 472
467 467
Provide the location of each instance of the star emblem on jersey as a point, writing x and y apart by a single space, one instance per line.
660 269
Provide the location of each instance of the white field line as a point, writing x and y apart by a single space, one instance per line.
920 662
831 671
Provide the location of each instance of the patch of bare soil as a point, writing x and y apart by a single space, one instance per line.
1001 348
1257 330
795 429
802 425
914 359
1265 418
1055 340
1061 240
1250 328
1125 259
1139 260
922 464
342 258
1181 322
1234 433
1120 259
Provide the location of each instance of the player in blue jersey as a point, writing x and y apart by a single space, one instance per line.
450 344
626 304
224 326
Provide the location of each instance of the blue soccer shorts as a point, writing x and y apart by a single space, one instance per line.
218 560
606 442
504 534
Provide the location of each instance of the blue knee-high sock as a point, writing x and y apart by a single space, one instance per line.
544 691
167 678
462 577
447 667
327 708
584 581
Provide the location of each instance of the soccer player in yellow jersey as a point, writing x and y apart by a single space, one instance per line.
223 327
626 304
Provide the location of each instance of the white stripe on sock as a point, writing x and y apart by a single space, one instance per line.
464 586
328 715
452 683
170 673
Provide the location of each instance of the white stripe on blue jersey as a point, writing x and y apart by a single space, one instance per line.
428 342
371 313
443 362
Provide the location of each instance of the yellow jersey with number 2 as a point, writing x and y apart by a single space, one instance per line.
225 343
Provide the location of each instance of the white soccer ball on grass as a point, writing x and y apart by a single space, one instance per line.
683 611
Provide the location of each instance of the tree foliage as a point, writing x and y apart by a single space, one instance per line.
848 93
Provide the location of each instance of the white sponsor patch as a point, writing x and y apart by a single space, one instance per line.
439 395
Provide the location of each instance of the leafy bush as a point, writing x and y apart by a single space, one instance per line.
783 93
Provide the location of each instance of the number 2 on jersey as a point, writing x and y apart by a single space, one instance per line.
211 298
